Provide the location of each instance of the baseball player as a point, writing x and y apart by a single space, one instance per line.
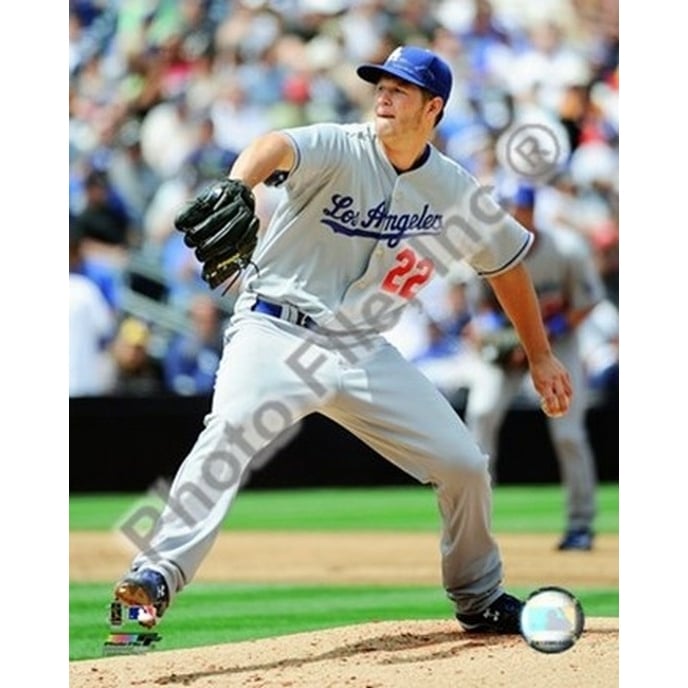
568 286
370 212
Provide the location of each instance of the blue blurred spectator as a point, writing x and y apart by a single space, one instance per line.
134 180
182 271
208 158
192 359
100 271
481 39
91 327
103 217
104 230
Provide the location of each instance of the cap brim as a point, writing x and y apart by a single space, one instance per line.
373 73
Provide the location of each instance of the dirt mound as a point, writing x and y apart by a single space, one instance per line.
391 654
430 654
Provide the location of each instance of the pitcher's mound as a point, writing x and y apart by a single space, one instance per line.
390 654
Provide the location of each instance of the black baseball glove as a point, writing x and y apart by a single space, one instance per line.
221 226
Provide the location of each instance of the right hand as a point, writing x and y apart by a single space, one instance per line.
553 383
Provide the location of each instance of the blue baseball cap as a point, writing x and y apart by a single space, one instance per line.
418 66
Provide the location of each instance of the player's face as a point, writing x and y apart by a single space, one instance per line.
401 110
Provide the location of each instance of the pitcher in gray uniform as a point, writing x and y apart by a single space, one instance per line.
370 213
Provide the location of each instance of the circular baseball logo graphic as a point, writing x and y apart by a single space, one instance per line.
533 151
552 620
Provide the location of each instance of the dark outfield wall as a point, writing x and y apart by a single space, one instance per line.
124 445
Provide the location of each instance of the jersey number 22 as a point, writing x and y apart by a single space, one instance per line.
410 273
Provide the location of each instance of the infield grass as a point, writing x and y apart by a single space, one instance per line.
213 613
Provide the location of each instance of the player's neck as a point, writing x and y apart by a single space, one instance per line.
406 158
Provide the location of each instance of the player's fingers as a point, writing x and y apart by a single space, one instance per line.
557 399
567 386
553 407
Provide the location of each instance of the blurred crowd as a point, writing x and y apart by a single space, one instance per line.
164 94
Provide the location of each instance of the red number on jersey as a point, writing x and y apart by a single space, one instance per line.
409 275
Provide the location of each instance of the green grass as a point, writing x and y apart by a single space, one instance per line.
517 509
208 614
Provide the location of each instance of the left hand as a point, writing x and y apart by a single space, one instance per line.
221 225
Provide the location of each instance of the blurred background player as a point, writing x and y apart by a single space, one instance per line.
568 287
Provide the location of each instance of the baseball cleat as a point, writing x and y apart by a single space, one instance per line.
577 539
502 616
147 590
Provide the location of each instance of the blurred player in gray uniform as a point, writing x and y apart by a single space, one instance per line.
370 213
568 286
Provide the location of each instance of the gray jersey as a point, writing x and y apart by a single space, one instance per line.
353 241
563 273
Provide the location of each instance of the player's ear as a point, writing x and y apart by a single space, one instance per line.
435 106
